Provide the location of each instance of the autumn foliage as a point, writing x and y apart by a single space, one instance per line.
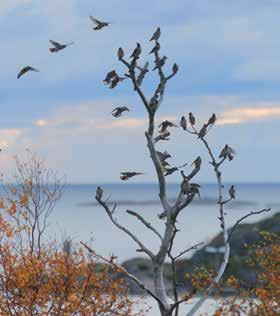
42 277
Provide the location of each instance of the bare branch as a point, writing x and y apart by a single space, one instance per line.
124 229
147 224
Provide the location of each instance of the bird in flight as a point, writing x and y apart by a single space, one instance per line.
26 69
164 125
99 24
117 112
127 175
57 46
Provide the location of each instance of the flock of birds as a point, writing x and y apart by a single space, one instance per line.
112 79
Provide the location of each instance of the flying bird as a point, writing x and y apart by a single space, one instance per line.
156 35
164 125
99 24
117 112
137 52
160 63
57 46
25 70
127 175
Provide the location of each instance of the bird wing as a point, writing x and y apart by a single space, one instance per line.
95 21
55 44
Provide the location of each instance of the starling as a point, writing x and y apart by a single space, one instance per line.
127 175
186 186
155 49
57 46
99 193
99 24
227 152
212 120
117 112
137 52
191 119
231 192
164 125
169 171
194 189
175 69
163 136
142 74
120 53
197 162
25 70
163 156
156 35
114 82
110 75
160 63
203 131
183 123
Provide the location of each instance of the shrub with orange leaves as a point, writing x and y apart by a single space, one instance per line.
264 298
42 278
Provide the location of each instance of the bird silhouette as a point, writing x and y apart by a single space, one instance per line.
137 52
156 35
127 175
164 125
183 123
212 119
117 112
203 131
175 69
191 119
120 53
227 152
197 162
160 63
99 193
110 75
57 46
232 192
155 49
26 69
99 24
163 156
169 171
142 74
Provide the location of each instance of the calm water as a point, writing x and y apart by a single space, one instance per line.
77 214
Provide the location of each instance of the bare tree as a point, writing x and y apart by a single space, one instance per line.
188 189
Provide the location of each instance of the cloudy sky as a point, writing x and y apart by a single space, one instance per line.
229 58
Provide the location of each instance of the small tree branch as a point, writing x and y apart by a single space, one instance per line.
124 229
147 224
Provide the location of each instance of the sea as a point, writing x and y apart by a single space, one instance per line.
79 217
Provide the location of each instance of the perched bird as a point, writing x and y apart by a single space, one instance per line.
156 35
162 136
163 156
110 75
194 189
137 52
99 24
197 162
155 49
117 112
191 119
227 152
175 69
203 131
212 119
99 193
142 74
57 46
25 70
164 125
183 123
153 104
231 192
120 53
160 63
169 171
186 186
127 175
